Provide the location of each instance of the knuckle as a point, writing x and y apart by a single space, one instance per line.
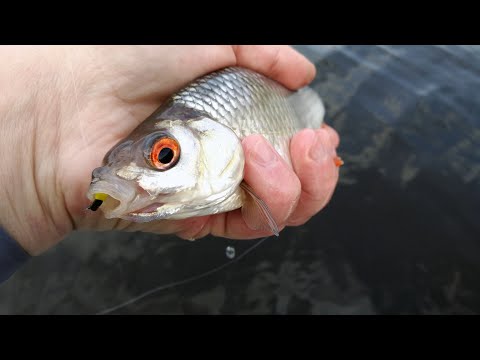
196 229
298 221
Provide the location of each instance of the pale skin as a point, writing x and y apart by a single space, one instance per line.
63 107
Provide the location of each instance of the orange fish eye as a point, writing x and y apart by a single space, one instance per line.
164 153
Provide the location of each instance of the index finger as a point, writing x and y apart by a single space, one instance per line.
279 62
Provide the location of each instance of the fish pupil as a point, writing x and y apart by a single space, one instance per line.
166 155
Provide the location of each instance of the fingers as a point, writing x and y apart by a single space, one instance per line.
149 73
279 62
334 138
272 180
313 153
136 69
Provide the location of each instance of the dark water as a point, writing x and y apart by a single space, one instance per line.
400 236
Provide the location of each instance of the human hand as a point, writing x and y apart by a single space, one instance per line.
70 105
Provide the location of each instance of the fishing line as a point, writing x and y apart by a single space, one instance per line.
181 282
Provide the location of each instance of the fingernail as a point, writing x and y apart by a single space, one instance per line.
264 154
321 147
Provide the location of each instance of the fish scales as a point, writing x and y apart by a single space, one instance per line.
246 102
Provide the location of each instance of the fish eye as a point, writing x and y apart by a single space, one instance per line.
164 153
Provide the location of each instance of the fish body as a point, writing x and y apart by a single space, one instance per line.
186 159
249 103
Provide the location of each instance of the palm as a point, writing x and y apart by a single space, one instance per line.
136 86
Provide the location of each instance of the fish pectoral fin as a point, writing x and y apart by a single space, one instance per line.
256 213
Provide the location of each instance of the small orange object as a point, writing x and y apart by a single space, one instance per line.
338 161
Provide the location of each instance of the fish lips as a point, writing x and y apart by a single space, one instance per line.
145 213
120 195
122 198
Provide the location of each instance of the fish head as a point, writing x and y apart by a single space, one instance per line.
170 169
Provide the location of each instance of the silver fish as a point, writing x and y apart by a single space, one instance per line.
186 159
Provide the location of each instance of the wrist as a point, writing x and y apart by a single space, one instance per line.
17 194
30 198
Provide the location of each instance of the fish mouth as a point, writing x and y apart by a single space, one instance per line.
144 214
147 209
122 198
120 195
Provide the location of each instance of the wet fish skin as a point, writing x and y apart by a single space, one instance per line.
209 118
